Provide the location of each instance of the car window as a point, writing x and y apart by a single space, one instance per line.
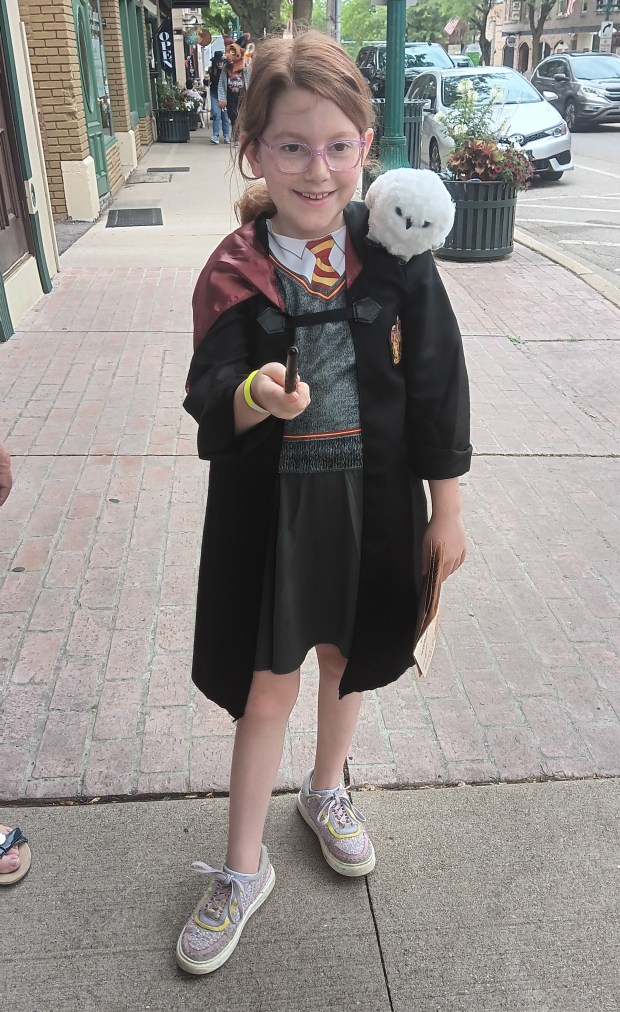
428 57
515 90
362 57
418 87
596 68
552 68
430 89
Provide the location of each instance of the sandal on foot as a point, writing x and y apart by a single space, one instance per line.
15 838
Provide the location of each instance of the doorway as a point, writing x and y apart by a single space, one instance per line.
524 57
14 220
82 11
508 57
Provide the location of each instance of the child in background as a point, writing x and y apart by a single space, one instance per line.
316 532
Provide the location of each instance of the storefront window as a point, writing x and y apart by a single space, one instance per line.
101 74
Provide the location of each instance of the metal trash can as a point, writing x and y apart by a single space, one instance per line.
414 115
484 221
413 134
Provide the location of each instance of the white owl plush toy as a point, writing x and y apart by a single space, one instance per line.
410 211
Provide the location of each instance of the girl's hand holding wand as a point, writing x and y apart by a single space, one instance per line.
266 390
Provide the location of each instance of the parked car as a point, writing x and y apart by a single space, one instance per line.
461 60
584 87
525 118
419 56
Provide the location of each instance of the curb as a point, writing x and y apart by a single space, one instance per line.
602 286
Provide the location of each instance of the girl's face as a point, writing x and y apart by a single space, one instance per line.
309 203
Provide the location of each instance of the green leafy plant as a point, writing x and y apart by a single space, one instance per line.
473 125
170 98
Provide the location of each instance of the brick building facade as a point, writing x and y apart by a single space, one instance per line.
90 67
572 26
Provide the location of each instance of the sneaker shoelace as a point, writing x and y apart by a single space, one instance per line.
342 808
225 891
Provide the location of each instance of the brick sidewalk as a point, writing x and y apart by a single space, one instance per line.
99 545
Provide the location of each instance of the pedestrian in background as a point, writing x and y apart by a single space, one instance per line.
6 477
316 530
219 117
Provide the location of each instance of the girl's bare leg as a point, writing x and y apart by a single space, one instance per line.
259 738
337 719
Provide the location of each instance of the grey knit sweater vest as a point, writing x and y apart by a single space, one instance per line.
326 436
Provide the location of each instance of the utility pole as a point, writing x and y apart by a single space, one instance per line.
393 144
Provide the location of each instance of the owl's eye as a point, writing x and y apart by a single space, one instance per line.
398 212
426 224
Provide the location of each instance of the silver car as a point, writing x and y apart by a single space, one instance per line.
525 118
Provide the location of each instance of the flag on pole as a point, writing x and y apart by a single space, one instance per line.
570 6
452 24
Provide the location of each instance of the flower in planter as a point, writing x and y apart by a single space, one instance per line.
474 123
171 98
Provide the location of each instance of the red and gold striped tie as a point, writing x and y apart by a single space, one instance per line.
324 277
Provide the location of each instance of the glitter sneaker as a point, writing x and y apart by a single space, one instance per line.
338 824
212 932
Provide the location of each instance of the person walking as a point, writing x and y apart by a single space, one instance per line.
219 117
316 530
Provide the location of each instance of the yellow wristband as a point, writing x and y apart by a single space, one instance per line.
247 395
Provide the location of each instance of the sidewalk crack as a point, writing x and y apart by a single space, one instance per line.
379 946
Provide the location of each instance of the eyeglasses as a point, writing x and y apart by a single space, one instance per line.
339 156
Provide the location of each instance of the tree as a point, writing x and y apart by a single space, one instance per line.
255 16
302 12
216 16
476 13
360 22
425 21
478 19
537 26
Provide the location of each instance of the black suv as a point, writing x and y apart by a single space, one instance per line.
583 87
419 56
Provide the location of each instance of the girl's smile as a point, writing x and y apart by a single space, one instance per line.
309 203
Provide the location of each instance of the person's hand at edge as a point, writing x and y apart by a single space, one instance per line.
6 477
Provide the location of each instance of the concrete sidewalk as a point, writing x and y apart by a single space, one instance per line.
99 540
494 899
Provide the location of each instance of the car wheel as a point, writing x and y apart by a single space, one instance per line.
551 177
434 159
570 115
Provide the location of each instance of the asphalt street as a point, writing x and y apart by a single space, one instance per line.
580 214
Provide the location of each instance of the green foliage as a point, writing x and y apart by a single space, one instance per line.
471 124
361 22
216 17
425 21
319 15
171 98
470 115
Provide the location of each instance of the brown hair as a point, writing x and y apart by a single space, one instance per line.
311 61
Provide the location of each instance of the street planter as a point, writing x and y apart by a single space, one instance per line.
484 220
173 126
193 120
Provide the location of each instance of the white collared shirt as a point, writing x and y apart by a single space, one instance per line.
294 255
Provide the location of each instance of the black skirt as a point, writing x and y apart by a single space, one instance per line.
312 574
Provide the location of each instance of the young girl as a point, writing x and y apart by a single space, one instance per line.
316 531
